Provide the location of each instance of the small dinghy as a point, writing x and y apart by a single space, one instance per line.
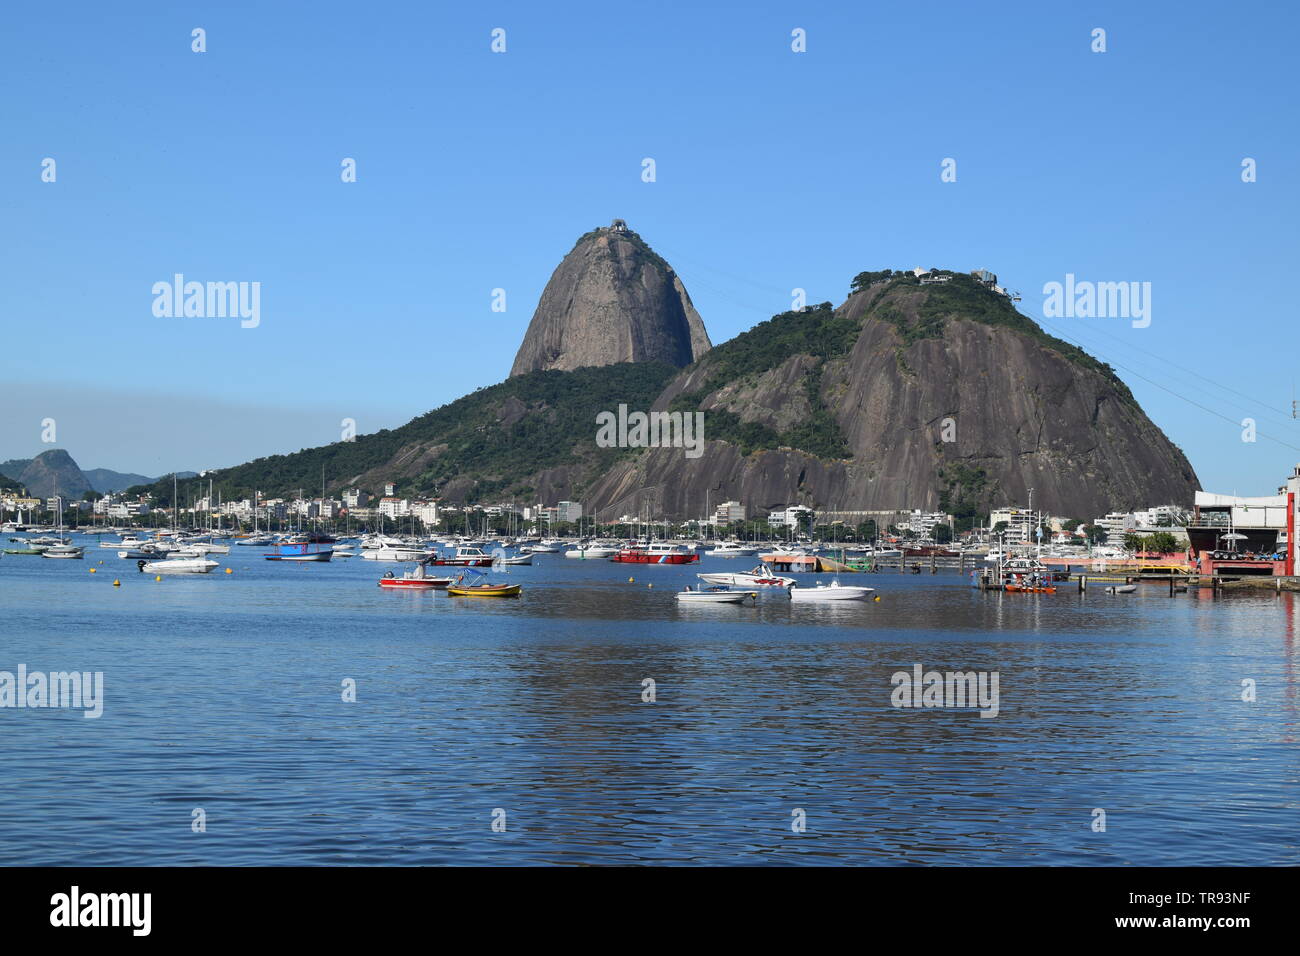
716 596
475 584
1122 589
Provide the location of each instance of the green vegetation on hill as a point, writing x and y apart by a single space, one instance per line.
815 331
962 296
962 488
500 435
643 256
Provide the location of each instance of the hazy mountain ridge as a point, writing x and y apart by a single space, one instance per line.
38 474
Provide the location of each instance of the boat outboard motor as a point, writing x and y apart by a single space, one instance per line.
140 565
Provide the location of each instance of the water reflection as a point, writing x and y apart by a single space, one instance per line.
225 693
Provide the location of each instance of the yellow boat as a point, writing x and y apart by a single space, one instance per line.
484 590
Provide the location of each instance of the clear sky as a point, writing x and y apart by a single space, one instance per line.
478 170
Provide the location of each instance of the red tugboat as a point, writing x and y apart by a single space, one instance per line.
656 554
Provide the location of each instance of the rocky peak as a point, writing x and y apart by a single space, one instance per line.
612 299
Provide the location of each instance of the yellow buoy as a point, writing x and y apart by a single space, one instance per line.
157 577
631 580
92 570
876 598
117 584
229 571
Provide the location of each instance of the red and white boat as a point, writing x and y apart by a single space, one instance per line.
656 554
414 580
761 577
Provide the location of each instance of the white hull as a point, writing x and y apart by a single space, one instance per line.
394 554
180 566
747 580
715 597
61 551
830 592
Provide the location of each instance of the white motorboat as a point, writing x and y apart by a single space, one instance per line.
206 547
716 596
467 556
830 592
880 552
390 552
130 540
62 551
760 577
146 551
518 559
731 550
591 553
178 566
256 541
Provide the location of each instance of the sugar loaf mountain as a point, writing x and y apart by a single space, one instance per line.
918 391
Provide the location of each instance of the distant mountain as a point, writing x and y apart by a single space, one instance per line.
101 480
12 468
105 480
48 471
612 299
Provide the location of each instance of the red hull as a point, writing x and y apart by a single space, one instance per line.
645 557
413 585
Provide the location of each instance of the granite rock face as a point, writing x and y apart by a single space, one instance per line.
612 299
974 411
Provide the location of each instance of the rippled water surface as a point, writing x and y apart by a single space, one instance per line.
223 692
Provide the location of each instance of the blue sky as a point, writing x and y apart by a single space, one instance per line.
477 170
